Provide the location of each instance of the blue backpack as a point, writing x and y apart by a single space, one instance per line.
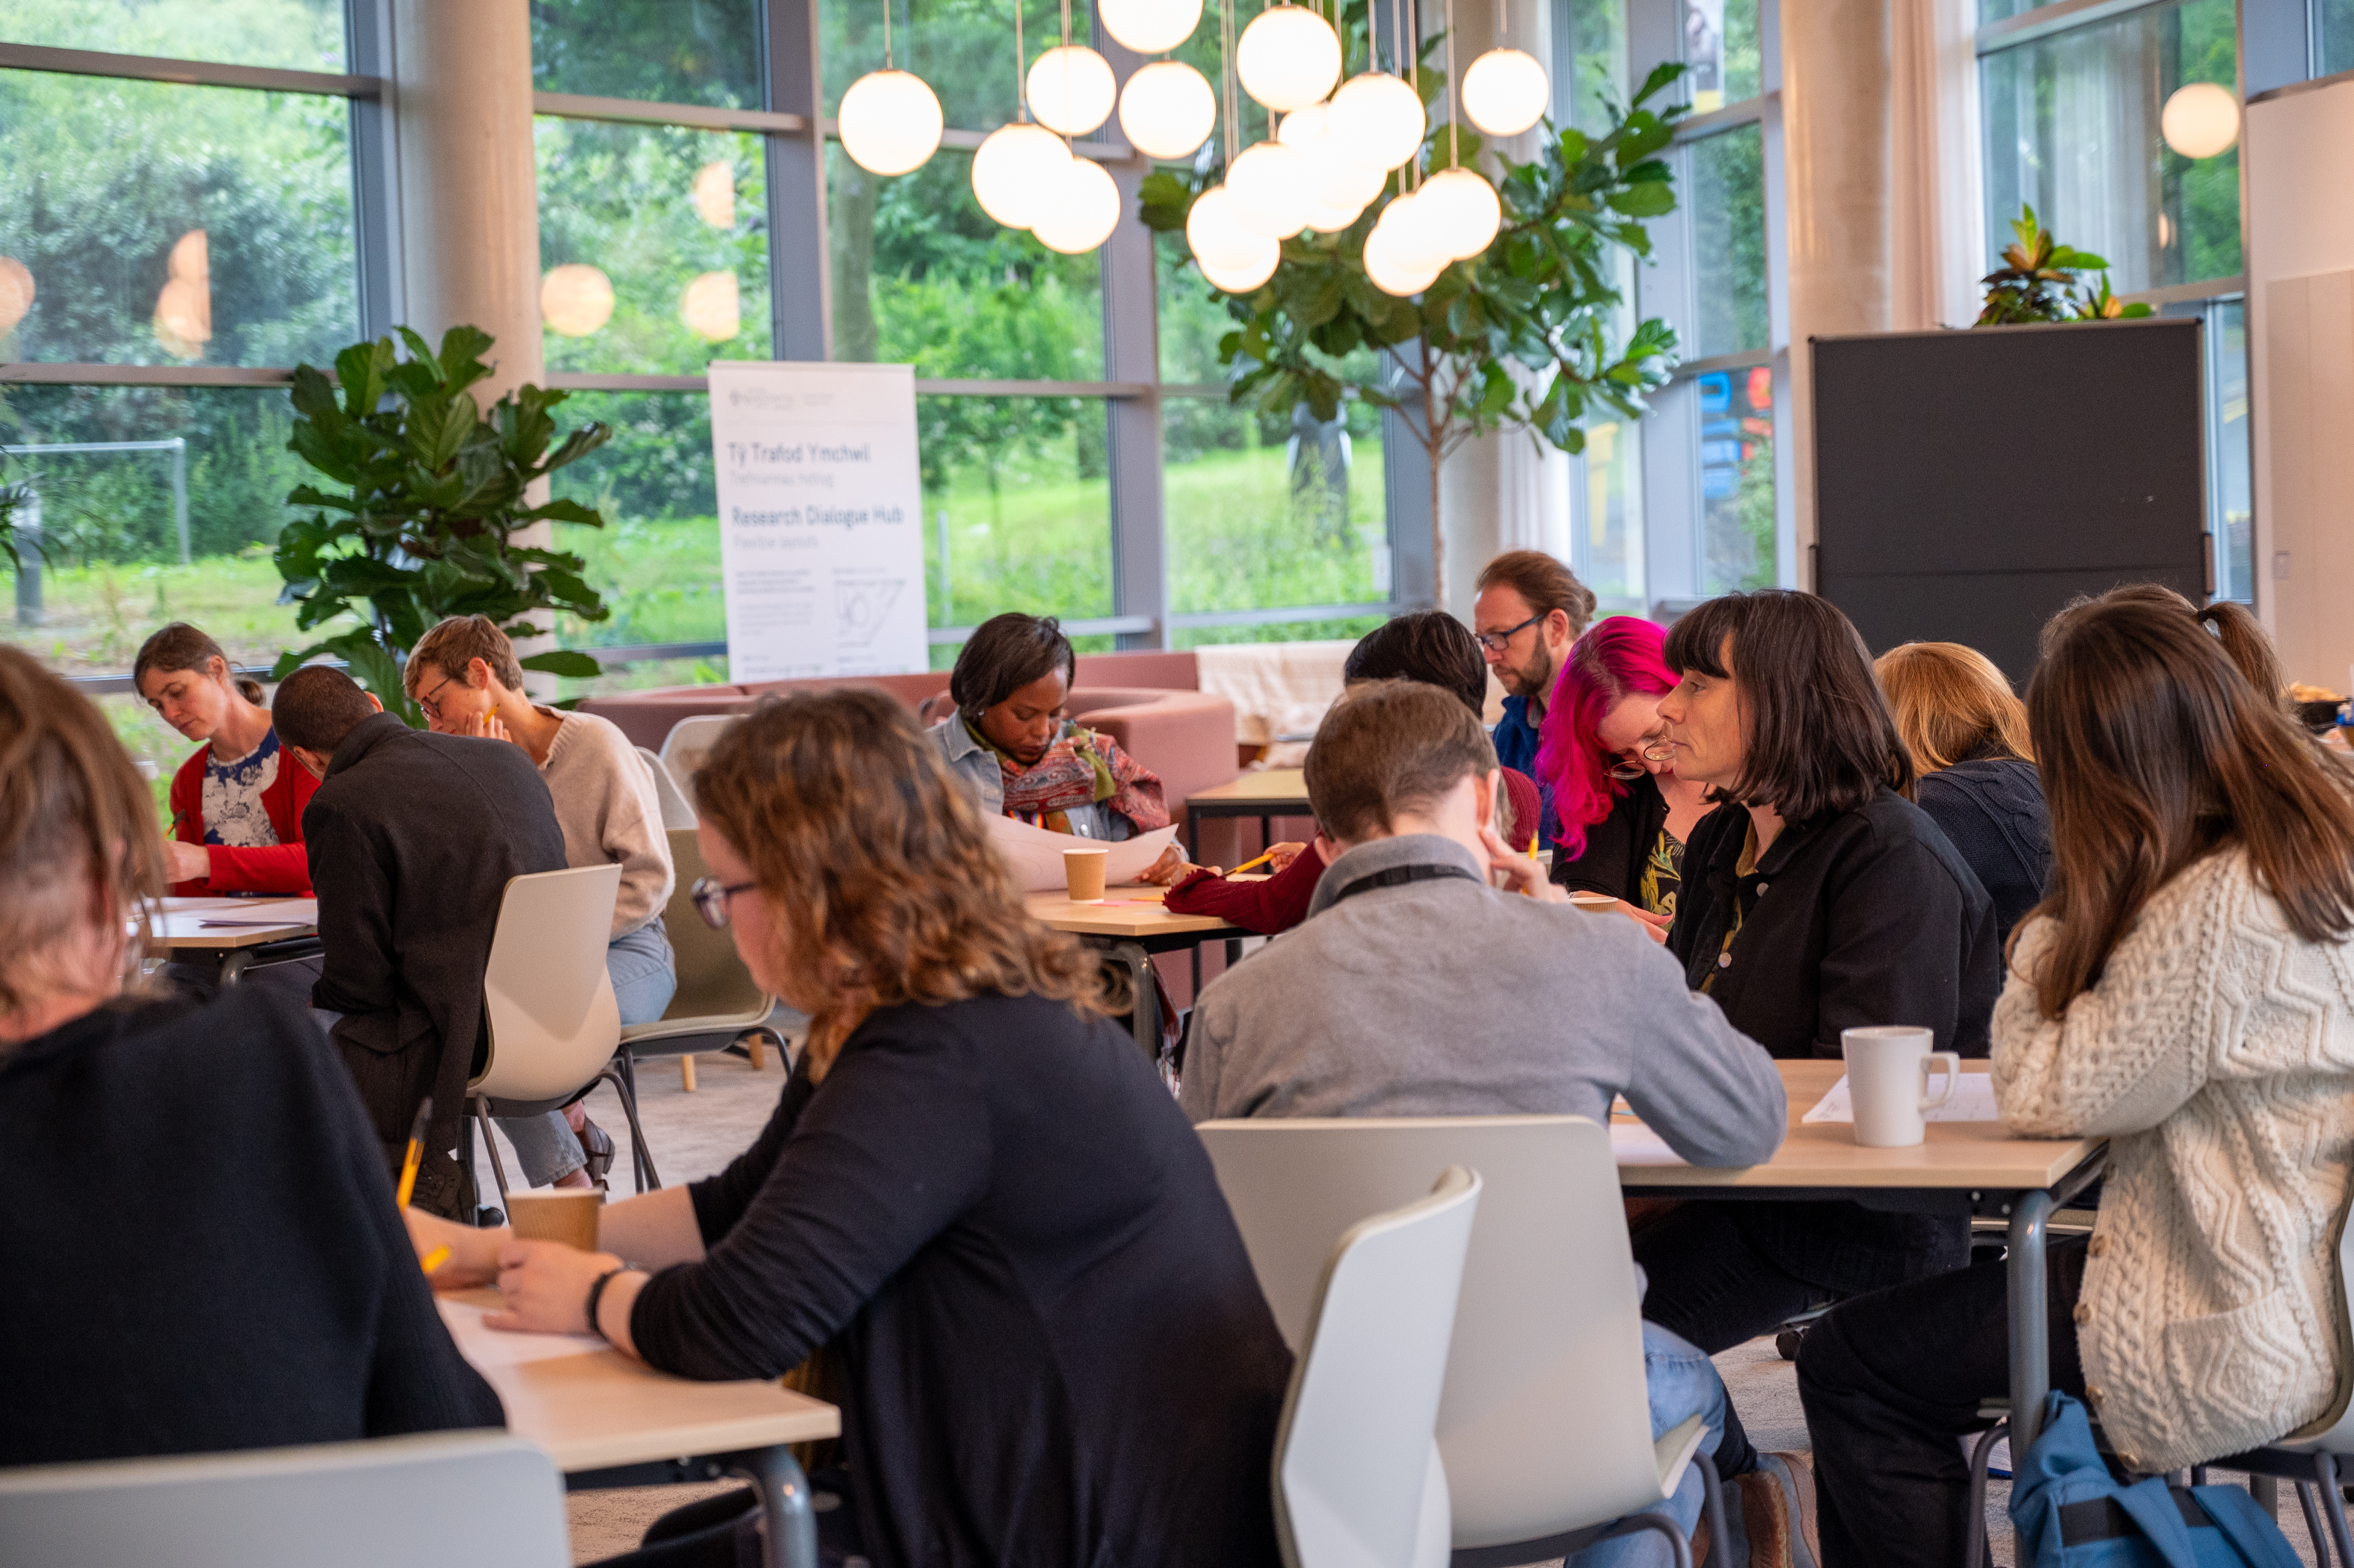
2069 1512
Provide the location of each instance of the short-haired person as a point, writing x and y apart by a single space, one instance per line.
1529 610
1817 899
465 675
2187 992
1018 755
211 1258
237 801
1625 813
1968 733
1426 645
1416 989
975 1198
413 839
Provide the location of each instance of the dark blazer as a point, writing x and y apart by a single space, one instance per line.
1046 1340
1993 812
413 840
211 1256
1866 917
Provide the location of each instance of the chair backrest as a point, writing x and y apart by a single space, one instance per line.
675 811
1546 1424
689 741
1358 1478
553 1021
712 980
457 1499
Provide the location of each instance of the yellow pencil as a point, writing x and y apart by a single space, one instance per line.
409 1162
1532 846
435 1259
1249 863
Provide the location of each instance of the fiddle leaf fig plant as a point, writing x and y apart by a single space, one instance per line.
428 494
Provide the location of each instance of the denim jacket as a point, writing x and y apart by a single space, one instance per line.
977 768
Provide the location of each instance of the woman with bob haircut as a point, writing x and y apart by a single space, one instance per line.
976 1198
1817 899
1968 733
1625 813
176 1301
2185 991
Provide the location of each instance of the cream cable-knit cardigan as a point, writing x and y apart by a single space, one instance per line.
2217 1053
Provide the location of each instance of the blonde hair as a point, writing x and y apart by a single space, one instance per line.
1951 705
882 880
451 644
78 836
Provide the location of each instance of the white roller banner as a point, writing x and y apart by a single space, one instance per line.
821 509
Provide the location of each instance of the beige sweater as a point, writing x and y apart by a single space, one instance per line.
605 804
2217 1053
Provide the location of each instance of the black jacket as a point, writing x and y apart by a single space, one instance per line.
209 1255
413 839
1046 1337
1865 917
1619 847
1993 813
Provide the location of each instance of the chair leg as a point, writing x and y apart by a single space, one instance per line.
1679 1545
642 1158
2333 1502
686 1073
1712 1508
755 1047
1976 1549
498 1169
2314 1529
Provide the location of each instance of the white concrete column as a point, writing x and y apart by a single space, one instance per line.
466 187
1835 120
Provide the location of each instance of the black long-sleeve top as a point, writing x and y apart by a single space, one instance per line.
413 839
1052 1346
1864 918
206 1255
1992 810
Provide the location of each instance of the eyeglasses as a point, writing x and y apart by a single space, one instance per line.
430 703
1497 641
1655 750
711 897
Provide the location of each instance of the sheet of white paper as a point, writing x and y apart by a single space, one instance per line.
1035 854
273 912
483 1346
1632 1143
1972 1100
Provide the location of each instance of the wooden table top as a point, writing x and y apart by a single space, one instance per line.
591 1406
1133 913
1957 1155
180 923
1269 786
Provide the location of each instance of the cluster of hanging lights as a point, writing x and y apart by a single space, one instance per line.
1334 152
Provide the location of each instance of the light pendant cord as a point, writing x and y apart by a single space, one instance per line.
1226 79
886 35
1454 142
1021 70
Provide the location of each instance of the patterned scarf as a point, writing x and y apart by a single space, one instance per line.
1081 767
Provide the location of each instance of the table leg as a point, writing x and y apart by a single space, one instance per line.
1146 1020
2030 1323
233 964
784 1491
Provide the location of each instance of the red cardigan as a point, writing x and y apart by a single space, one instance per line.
282 867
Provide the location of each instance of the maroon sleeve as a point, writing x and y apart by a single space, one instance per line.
1527 808
1276 904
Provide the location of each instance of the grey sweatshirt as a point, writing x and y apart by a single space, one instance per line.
1448 998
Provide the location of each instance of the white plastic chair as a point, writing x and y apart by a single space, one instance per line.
676 812
688 742
1546 1424
455 1499
552 1025
1358 1480
717 1001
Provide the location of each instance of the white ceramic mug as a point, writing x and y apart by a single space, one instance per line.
1888 1083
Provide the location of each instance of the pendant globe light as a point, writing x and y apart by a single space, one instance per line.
1341 183
1072 90
1081 211
1412 236
1462 210
889 120
1379 119
575 299
1016 171
1167 110
1289 57
1505 92
1149 27
1273 189
2200 120
1245 276
1391 268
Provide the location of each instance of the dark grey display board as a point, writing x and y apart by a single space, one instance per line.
1969 483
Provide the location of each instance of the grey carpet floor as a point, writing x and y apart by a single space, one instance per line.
696 1135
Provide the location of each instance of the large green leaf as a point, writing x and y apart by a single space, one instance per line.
565 662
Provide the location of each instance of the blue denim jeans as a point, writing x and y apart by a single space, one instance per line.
1682 1383
645 977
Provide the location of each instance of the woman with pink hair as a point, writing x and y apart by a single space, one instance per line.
1625 815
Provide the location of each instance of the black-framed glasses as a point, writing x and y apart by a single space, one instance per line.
1497 641
711 897
1655 750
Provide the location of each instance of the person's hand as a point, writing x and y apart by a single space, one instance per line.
185 863
1654 926
545 1285
1280 856
1170 870
1523 873
485 727
473 1255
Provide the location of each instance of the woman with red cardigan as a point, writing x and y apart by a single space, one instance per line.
237 802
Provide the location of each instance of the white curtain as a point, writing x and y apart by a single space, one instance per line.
1938 213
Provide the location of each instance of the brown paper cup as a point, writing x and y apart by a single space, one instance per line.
566 1214
1083 872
